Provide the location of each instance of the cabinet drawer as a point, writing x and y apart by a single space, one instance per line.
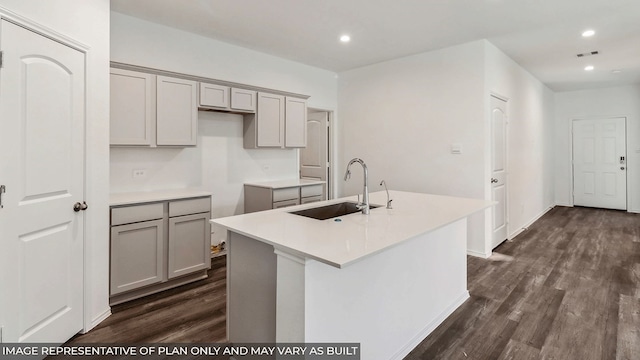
286 203
137 213
191 206
286 194
311 199
311 190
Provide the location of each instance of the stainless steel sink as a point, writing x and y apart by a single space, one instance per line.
331 211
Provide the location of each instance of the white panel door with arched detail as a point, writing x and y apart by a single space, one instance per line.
42 112
499 169
314 159
600 163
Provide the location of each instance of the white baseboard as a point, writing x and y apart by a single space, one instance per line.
478 254
565 205
536 218
405 350
97 320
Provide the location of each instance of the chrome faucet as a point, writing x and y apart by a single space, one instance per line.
364 205
389 200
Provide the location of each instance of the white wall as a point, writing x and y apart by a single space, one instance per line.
401 117
530 111
219 163
593 104
87 22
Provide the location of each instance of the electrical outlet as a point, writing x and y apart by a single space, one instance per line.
139 173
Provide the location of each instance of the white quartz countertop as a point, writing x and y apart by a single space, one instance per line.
129 198
356 236
280 184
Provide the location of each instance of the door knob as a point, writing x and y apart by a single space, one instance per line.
494 180
621 167
80 206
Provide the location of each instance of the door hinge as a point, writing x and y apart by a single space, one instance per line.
1 53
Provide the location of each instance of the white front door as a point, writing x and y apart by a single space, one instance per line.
499 169
314 159
600 163
42 95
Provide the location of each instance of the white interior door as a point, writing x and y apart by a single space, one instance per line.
42 96
314 159
499 169
600 163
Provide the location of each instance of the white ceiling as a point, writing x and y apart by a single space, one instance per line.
543 36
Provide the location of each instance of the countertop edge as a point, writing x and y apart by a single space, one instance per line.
138 197
307 255
282 184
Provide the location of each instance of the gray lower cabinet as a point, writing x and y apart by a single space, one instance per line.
138 262
187 251
259 198
157 246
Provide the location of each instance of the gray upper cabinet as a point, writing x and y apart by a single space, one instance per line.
151 110
177 112
242 99
279 122
295 122
225 98
132 107
214 96
270 120
158 108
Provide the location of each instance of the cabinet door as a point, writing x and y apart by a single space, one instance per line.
131 107
137 255
214 96
242 99
295 122
189 244
176 112
270 120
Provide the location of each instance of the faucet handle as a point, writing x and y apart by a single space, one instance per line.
389 204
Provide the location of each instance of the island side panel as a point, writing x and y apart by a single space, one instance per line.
391 301
251 290
290 298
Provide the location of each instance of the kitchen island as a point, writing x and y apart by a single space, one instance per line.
384 280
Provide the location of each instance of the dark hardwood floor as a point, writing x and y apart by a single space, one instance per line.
567 288
193 313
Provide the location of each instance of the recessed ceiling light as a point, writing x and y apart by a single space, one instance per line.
345 38
616 71
588 68
588 33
